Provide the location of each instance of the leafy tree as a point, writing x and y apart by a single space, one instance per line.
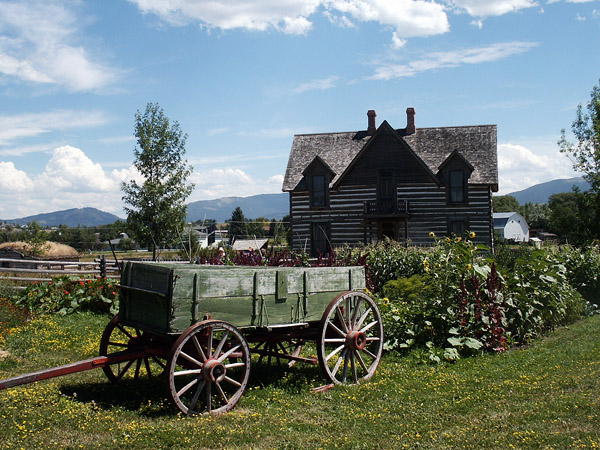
506 203
157 207
536 214
585 154
238 226
571 216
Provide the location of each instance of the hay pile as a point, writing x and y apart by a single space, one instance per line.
48 250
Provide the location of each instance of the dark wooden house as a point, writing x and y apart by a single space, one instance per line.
363 186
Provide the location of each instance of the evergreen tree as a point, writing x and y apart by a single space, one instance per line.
157 210
238 226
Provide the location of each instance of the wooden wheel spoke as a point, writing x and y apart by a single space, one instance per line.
332 354
353 367
363 317
361 362
124 331
190 359
198 348
209 343
345 372
368 327
332 340
209 397
232 381
355 312
138 365
195 398
338 363
220 389
118 344
368 352
337 330
342 319
125 369
159 362
184 389
221 344
373 339
187 372
227 353
236 364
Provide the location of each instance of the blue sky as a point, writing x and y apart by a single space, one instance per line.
242 77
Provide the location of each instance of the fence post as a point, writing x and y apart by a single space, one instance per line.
103 267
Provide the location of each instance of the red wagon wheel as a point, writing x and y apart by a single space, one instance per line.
208 368
350 338
117 338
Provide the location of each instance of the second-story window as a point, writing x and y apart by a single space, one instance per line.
457 186
319 191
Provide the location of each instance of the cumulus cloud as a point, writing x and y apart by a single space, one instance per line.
217 183
409 18
440 60
520 167
14 180
40 46
478 8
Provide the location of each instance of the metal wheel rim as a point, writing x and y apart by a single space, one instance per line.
350 338
116 338
208 349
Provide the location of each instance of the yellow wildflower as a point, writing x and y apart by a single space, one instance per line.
431 234
472 235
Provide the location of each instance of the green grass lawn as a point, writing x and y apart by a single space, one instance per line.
546 396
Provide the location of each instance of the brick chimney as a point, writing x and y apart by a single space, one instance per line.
371 114
410 121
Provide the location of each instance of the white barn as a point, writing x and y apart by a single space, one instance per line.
511 226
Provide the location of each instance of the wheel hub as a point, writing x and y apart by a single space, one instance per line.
356 340
213 371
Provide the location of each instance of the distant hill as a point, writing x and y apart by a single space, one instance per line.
88 217
540 193
271 206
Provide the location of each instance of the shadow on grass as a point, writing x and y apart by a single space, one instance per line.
150 397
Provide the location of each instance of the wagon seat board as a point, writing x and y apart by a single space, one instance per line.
168 298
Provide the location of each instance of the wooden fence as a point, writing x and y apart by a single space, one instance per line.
22 272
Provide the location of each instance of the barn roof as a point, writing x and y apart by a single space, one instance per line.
477 144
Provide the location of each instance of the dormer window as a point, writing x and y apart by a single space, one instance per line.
319 191
457 186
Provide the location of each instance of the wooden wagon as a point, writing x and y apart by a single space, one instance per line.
200 326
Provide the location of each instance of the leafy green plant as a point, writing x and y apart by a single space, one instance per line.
66 295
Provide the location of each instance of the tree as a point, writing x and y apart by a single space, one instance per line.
238 226
536 214
157 209
585 155
571 216
506 203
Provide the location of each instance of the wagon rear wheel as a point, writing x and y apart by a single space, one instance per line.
208 368
117 338
350 338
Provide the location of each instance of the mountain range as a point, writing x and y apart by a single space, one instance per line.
540 193
271 206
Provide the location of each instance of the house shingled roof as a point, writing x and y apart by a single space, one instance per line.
477 144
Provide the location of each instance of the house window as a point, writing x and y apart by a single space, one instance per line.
386 186
319 191
321 241
457 227
457 186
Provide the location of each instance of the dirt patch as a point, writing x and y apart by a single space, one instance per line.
4 354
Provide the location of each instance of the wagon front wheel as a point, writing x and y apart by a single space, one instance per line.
350 338
208 368
118 338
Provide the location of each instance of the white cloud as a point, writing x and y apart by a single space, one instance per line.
289 16
71 168
479 8
13 180
40 46
409 18
30 125
440 60
217 183
520 167
317 85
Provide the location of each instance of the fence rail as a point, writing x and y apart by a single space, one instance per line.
22 272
